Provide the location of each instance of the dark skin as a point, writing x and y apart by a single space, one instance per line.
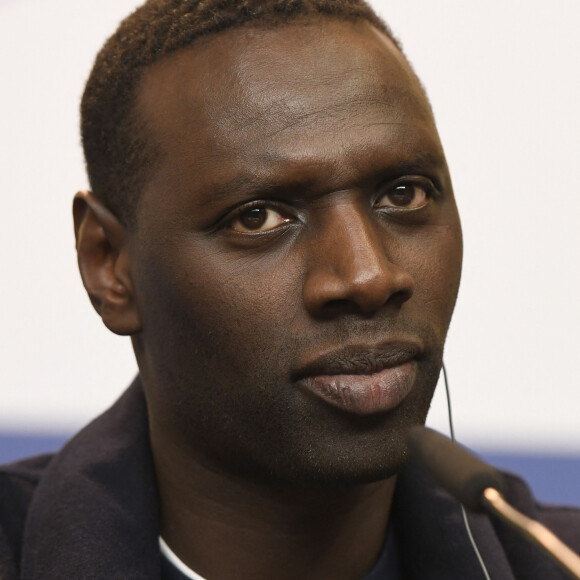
302 211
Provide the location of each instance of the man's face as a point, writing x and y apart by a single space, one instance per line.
297 254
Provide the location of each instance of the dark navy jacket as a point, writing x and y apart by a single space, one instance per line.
91 511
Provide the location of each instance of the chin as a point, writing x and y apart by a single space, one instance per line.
350 462
370 450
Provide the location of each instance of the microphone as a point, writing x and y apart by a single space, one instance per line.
479 487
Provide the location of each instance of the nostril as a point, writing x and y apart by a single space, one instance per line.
363 305
333 308
397 299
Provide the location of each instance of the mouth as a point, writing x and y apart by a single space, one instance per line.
363 380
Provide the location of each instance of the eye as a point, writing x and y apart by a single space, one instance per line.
406 196
258 218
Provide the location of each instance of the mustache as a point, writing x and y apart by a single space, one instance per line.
371 330
361 359
364 347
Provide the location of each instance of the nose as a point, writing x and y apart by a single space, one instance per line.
349 269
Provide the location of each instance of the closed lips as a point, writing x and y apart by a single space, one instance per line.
363 382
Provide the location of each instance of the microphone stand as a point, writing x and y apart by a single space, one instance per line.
494 502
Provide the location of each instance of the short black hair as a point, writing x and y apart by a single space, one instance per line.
118 151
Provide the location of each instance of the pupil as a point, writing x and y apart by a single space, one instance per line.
403 195
254 218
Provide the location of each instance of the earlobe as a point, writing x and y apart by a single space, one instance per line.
104 264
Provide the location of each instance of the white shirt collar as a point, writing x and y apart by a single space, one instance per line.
175 561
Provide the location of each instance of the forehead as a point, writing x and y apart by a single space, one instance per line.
294 94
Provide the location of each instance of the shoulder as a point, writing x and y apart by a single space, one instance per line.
18 482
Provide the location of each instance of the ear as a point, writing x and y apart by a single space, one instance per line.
104 264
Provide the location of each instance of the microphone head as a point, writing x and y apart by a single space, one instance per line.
462 474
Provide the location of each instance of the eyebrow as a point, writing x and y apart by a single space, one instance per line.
248 183
270 185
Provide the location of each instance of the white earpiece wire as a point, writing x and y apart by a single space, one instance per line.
464 513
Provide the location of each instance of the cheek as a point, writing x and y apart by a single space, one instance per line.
252 298
434 257
239 310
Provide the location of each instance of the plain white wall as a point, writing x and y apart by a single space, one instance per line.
503 78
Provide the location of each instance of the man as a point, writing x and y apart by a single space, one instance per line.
273 223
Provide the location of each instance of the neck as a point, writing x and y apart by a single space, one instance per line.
224 527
